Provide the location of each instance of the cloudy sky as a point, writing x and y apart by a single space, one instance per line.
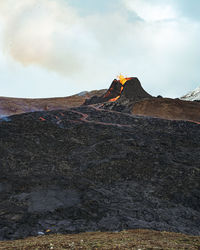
62 47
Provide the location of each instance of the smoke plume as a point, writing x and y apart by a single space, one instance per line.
140 38
47 33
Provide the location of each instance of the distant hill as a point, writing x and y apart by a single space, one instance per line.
11 106
167 108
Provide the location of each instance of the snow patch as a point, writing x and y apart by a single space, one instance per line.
192 96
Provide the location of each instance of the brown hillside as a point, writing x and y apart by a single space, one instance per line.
11 106
166 108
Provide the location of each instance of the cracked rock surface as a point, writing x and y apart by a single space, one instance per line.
89 169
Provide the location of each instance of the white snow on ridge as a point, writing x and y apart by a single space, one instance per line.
83 93
192 96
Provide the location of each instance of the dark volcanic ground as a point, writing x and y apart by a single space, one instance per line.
86 169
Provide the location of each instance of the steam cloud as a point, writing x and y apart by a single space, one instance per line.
47 33
150 41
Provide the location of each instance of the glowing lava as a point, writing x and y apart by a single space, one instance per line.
122 80
42 119
114 99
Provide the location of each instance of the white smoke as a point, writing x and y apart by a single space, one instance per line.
140 38
46 32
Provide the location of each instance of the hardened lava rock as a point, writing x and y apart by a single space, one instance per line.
88 169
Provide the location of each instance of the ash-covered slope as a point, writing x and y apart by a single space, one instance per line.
134 91
86 169
192 96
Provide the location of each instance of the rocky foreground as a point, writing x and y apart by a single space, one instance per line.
89 169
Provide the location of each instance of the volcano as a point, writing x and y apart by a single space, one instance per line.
125 88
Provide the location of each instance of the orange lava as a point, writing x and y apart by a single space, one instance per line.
122 80
193 121
114 99
42 119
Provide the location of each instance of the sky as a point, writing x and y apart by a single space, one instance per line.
52 48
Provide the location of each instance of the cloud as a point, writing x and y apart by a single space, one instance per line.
147 39
48 33
150 10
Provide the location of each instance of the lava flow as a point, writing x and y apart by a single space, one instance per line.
122 80
42 119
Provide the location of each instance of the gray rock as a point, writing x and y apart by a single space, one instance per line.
51 199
